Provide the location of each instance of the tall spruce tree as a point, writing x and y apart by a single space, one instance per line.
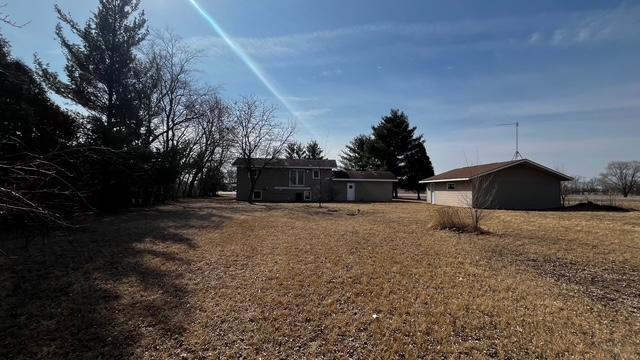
357 155
101 76
393 138
30 121
417 167
295 150
313 151
101 69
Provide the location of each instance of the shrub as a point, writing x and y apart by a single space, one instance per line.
450 218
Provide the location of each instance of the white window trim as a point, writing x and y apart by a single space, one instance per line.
453 186
298 171
313 173
305 198
253 196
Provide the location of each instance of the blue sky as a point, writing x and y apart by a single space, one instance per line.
568 71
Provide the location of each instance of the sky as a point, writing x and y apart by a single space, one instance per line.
567 71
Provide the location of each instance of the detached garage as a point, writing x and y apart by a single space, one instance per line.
362 185
519 184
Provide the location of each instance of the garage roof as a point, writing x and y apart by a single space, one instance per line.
470 172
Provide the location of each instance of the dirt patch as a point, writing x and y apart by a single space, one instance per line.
591 206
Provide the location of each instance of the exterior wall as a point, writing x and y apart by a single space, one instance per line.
274 183
461 196
375 191
521 187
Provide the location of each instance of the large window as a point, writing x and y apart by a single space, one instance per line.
296 177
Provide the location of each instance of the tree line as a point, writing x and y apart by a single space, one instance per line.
619 177
142 128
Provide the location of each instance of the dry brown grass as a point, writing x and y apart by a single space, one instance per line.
224 279
450 218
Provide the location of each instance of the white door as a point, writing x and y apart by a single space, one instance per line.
433 197
351 192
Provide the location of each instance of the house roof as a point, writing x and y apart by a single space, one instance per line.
470 172
290 163
349 175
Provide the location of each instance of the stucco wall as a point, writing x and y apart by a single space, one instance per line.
365 190
523 187
273 179
460 196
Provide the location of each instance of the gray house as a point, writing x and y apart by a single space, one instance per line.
300 180
518 184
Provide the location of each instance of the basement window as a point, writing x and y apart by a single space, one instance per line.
307 196
257 195
451 186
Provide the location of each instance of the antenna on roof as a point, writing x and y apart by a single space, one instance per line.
517 154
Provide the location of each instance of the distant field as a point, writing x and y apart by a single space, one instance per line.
217 278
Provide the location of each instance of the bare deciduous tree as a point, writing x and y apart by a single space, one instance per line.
6 19
173 102
258 135
475 205
37 189
622 176
213 141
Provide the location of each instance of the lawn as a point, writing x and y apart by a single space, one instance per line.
216 278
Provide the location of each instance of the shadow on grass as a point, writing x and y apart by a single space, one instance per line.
95 293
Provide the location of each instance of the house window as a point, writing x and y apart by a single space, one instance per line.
296 177
307 196
316 173
257 195
451 186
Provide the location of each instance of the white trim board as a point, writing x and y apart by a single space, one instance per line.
442 180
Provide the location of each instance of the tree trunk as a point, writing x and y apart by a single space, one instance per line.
252 188
418 192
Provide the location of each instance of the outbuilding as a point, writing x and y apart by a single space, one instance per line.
362 185
518 184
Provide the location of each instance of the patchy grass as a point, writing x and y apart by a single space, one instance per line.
224 279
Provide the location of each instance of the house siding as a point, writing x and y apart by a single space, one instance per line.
460 196
523 187
378 191
271 181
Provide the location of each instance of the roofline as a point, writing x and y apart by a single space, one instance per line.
290 167
379 180
530 162
522 161
442 180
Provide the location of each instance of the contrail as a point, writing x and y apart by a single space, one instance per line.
245 58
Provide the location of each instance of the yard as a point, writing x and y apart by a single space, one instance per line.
216 278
